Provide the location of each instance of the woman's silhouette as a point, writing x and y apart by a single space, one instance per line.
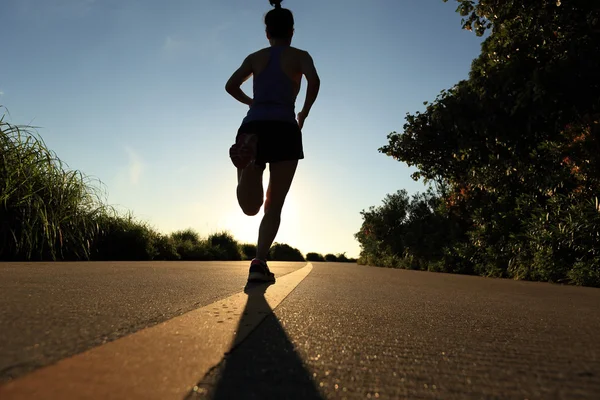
270 132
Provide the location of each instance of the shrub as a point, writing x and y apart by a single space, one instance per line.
314 257
225 246
166 248
248 251
123 238
186 235
330 258
342 257
284 252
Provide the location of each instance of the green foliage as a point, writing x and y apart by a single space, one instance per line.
330 257
342 258
248 251
186 235
515 149
284 252
124 238
166 248
404 232
189 250
314 257
227 247
46 210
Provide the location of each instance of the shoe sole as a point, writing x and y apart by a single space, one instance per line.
238 160
240 154
258 277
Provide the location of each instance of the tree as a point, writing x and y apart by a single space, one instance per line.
519 138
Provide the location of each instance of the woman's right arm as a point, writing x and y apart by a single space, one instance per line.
312 90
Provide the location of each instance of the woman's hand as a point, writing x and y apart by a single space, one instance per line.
301 117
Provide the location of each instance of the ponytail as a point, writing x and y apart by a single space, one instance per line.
276 4
279 21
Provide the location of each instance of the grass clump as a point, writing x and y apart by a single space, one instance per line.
47 211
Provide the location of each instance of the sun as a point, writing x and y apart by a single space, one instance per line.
245 228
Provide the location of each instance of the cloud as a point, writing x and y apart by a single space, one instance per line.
1 93
135 167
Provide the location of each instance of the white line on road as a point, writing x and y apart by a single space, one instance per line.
161 362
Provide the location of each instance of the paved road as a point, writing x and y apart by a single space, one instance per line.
50 311
345 331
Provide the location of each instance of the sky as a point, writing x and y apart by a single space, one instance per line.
131 93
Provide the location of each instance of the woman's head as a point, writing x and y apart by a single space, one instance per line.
279 22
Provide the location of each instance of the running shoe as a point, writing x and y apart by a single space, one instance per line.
243 152
259 272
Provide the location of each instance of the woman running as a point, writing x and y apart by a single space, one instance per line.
270 132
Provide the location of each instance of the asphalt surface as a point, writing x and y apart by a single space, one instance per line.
358 332
50 311
346 331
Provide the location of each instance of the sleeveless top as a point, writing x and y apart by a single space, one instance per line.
274 95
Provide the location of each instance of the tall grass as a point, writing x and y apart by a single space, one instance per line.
46 210
50 212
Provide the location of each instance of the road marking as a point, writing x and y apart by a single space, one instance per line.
161 362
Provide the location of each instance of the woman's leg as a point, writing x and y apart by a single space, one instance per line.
250 189
280 180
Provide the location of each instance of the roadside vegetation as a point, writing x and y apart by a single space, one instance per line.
50 212
512 155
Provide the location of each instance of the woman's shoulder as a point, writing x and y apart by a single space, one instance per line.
259 52
299 51
262 53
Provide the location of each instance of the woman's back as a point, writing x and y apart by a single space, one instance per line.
277 72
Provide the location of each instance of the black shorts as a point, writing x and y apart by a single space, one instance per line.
277 141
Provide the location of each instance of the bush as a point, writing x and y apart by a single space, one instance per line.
330 258
248 251
314 257
225 246
123 238
342 257
166 248
284 252
186 235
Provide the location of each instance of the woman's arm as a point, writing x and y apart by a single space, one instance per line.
233 85
312 91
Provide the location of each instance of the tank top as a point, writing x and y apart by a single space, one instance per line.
274 95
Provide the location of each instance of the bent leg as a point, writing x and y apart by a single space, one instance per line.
250 189
280 180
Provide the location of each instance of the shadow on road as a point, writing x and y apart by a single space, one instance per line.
264 366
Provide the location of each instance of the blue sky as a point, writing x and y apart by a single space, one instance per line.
131 92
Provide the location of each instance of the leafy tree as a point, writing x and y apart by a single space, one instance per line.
518 139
